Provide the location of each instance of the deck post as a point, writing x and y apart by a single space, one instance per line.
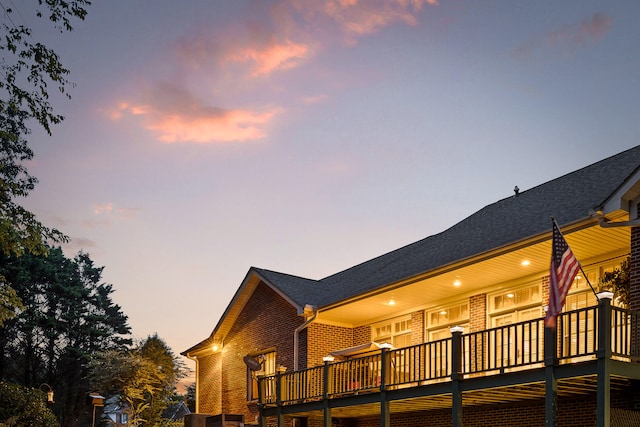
603 417
385 415
279 399
262 419
456 376
551 382
326 409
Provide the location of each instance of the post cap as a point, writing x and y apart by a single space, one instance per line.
605 295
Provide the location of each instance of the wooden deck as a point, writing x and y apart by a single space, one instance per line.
591 349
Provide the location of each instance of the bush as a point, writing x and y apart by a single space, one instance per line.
22 406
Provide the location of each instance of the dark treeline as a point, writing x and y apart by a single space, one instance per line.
68 316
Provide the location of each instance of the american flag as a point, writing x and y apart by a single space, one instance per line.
564 267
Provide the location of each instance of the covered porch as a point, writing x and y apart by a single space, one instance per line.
593 353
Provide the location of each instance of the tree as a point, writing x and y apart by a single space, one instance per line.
68 316
191 397
144 378
29 68
618 281
9 302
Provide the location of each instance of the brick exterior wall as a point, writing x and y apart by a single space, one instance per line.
417 327
361 335
325 338
209 384
478 312
266 322
634 298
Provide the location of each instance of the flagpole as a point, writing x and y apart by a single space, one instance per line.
589 283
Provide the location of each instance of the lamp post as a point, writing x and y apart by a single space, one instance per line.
96 400
49 393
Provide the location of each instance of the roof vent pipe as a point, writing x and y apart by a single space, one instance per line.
308 310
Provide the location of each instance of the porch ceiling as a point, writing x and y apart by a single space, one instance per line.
497 271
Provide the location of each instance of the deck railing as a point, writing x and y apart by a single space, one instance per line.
491 351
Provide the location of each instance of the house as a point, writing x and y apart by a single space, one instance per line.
448 330
116 412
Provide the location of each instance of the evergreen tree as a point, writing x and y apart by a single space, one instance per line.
68 316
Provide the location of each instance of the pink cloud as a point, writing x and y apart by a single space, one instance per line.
271 58
242 63
108 210
360 17
315 99
570 37
214 125
257 47
174 116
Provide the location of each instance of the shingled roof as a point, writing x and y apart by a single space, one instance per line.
569 198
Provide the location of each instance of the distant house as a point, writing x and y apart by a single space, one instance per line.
448 330
116 412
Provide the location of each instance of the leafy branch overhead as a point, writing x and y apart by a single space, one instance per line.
28 71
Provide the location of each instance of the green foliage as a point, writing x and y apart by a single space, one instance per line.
190 398
22 406
68 315
29 69
9 303
618 281
144 378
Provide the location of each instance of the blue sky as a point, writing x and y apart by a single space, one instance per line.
203 138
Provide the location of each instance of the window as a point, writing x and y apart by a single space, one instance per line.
513 306
441 320
515 298
396 332
580 296
268 368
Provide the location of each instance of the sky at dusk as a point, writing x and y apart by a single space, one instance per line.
206 137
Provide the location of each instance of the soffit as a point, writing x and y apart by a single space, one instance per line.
592 244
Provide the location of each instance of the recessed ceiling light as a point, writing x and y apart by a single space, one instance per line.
391 302
457 282
525 263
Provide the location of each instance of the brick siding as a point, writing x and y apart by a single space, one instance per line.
326 338
267 321
417 327
634 298
478 312
209 384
